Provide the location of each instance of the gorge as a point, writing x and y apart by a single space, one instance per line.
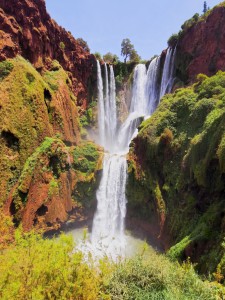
112 146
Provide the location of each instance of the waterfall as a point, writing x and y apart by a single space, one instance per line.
101 108
152 88
107 116
108 237
138 108
112 120
168 70
108 225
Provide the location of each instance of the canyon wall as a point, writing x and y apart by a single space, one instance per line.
45 78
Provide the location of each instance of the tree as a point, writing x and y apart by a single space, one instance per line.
205 7
98 55
134 57
110 58
126 49
83 44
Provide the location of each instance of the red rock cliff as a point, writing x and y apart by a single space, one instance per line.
202 47
27 29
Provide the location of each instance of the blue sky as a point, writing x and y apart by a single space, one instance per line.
147 23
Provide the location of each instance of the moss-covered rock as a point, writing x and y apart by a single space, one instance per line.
177 170
56 181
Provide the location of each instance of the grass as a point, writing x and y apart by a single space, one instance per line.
36 268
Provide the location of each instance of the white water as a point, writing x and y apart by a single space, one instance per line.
152 89
138 108
108 225
108 232
107 116
168 69
101 107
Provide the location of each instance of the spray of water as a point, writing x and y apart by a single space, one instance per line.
108 237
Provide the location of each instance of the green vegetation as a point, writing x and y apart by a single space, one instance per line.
123 72
5 69
87 161
36 268
62 46
177 171
98 55
21 94
110 58
83 44
128 51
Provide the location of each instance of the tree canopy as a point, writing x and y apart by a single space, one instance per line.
110 58
83 44
128 51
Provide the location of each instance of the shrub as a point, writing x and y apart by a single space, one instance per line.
83 44
5 69
172 41
62 46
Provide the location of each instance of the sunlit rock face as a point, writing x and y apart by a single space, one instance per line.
201 47
28 30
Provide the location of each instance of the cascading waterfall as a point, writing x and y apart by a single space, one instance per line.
107 119
108 236
168 69
152 88
138 108
108 225
101 107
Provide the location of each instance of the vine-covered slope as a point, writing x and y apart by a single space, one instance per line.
176 173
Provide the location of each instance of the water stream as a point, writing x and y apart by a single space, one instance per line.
108 231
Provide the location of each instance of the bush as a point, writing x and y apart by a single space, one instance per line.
172 41
62 46
5 69
83 44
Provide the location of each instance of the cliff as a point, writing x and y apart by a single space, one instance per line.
176 172
44 82
201 45
26 29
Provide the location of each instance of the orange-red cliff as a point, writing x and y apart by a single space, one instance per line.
201 48
27 29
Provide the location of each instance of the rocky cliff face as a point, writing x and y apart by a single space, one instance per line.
201 47
26 29
47 174
176 172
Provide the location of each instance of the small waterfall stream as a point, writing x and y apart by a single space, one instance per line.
108 237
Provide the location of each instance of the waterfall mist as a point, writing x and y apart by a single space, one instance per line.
108 236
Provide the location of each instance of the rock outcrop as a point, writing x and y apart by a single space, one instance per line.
26 29
45 77
176 172
201 47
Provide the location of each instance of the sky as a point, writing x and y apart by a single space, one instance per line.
147 23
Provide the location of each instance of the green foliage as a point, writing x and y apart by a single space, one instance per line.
190 22
134 57
83 44
98 55
5 69
178 165
172 41
157 278
87 161
31 163
37 268
62 46
123 72
110 58
128 51
21 94
205 7
86 157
